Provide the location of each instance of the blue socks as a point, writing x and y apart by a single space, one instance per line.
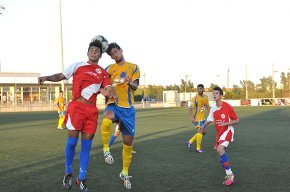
84 158
225 161
112 139
70 153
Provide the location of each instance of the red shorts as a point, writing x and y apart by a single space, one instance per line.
81 117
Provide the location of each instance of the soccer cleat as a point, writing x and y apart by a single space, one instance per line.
108 157
229 180
67 181
126 179
59 128
188 145
82 185
134 152
200 151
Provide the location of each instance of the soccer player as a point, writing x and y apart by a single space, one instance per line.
60 103
82 112
125 77
224 116
199 104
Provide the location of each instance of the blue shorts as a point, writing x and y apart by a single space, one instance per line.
127 116
198 124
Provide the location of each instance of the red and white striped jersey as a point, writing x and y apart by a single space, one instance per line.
87 80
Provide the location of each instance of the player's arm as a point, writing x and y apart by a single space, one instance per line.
232 122
111 93
133 85
54 78
190 112
201 128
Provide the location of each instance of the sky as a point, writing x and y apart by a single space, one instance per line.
167 39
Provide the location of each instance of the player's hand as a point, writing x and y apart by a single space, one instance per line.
41 80
200 129
115 99
127 80
192 120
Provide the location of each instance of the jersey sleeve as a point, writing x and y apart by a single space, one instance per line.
106 82
70 70
232 115
210 117
136 73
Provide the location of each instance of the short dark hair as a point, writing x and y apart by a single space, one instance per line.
61 92
96 43
111 46
200 85
219 89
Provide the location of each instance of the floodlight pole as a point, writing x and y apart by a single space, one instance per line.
2 8
247 96
61 46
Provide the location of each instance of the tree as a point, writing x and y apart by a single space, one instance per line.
172 88
285 80
266 85
212 86
186 86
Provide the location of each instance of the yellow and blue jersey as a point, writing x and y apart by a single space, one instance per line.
117 74
60 102
199 104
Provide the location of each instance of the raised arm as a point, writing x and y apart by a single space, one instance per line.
54 78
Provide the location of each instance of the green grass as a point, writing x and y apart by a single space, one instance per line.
32 154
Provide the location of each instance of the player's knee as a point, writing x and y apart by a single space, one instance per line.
109 115
221 149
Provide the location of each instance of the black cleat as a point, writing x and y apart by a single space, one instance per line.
67 181
82 185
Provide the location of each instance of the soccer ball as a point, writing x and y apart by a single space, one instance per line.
103 40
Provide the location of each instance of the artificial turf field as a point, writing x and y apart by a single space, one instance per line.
32 154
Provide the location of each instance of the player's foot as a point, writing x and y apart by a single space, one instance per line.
200 151
82 185
67 181
59 128
126 179
134 151
108 157
188 145
229 180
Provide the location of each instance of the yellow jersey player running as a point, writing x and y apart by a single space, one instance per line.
60 104
199 104
125 80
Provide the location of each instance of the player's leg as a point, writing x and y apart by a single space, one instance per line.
115 135
192 139
225 163
106 129
127 159
88 131
128 132
60 120
69 157
84 160
199 137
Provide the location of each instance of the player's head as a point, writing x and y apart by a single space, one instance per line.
115 51
217 93
61 93
200 89
95 51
